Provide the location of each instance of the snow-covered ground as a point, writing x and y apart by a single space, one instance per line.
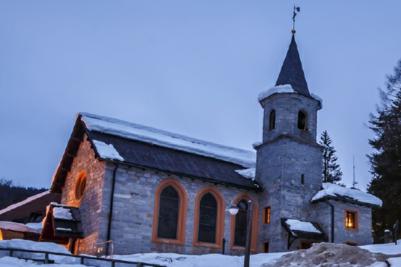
322 254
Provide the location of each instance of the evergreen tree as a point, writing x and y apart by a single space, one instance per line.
386 159
331 169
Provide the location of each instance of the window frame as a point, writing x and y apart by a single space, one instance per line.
355 214
183 201
267 215
80 186
272 120
305 114
255 223
219 222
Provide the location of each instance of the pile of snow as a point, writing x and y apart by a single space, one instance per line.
334 191
296 225
166 139
388 249
328 254
107 151
278 89
249 173
62 213
36 226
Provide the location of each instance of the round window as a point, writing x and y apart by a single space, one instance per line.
80 186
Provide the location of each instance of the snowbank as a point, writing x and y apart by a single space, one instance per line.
388 249
107 151
14 262
155 136
335 191
207 260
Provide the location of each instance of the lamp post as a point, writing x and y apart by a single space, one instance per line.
233 210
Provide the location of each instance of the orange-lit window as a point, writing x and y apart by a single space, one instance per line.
350 219
267 214
80 186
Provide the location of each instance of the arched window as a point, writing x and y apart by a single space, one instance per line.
302 125
239 223
169 213
80 186
169 209
272 120
241 220
207 219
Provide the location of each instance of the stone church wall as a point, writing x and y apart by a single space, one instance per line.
134 206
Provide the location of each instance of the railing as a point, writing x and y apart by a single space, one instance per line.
48 258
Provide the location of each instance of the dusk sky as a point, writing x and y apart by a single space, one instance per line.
190 67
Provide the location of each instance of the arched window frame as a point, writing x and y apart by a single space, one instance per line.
305 114
181 215
80 187
272 119
255 223
220 218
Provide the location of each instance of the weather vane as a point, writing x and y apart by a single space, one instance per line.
297 9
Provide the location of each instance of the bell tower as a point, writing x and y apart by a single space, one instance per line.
289 159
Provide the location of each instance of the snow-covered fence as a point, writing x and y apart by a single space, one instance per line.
47 257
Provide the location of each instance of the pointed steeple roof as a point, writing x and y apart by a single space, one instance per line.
292 72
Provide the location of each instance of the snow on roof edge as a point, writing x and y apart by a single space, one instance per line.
133 131
23 202
335 191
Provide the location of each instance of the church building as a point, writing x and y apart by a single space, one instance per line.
127 188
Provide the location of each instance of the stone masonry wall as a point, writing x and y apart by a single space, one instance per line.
134 207
91 205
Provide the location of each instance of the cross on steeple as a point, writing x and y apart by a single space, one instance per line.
297 9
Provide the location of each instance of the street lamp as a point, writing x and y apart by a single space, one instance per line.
233 210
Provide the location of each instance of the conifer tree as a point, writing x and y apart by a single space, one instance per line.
331 169
386 159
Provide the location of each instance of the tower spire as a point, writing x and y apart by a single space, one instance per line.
292 72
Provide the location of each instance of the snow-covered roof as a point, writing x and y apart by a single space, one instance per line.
21 203
278 89
247 173
284 89
163 138
334 191
62 213
19 227
301 226
107 151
